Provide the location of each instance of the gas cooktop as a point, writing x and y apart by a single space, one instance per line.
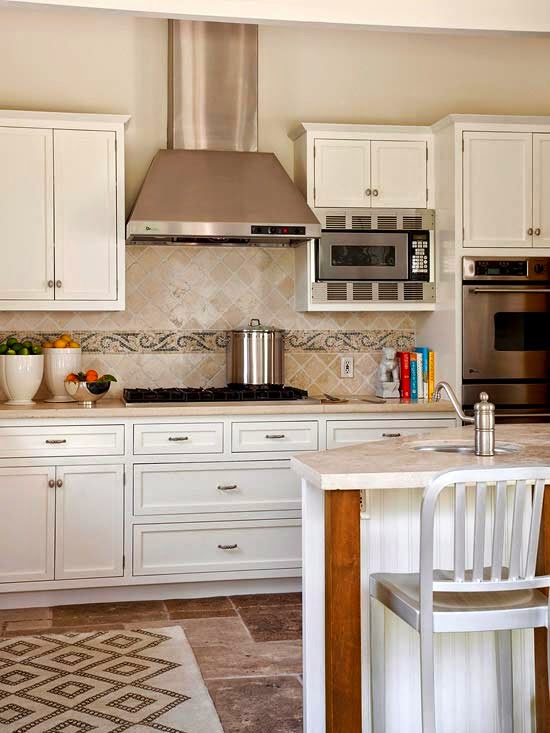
173 395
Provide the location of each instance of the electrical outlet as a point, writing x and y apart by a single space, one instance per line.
346 367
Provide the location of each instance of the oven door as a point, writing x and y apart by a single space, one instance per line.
364 256
506 332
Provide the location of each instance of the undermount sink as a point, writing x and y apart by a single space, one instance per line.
450 448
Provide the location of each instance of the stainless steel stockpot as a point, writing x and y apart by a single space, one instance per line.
255 355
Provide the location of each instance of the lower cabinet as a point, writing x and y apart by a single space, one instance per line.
27 523
341 433
61 522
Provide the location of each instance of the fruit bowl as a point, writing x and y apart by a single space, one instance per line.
87 393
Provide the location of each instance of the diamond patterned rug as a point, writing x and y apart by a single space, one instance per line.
103 682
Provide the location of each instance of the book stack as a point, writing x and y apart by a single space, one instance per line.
417 373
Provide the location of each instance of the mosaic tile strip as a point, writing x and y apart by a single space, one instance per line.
202 342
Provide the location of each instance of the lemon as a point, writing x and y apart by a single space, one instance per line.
47 344
74 345
66 337
59 344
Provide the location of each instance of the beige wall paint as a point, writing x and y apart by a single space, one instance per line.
67 61
336 75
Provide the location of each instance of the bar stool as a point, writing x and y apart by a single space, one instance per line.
496 598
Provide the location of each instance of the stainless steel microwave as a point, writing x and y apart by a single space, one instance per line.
374 255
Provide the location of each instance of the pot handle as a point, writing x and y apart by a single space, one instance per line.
254 322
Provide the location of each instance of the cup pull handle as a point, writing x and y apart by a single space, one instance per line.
229 487
228 547
391 435
178 438
275 436
56 441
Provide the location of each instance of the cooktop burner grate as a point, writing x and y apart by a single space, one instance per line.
139 396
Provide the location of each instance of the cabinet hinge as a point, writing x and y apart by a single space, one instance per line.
123 563
426 153
462 233
463 145
426 194
314 152
314 192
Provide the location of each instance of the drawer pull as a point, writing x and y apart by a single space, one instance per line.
275 436
229 487
228 547
391 435
178 438
56 441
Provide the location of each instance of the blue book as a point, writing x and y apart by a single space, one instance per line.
424 351
414 377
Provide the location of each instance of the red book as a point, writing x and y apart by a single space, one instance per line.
405 374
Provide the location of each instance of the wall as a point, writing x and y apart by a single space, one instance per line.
180 301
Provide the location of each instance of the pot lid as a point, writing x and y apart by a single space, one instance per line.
255 326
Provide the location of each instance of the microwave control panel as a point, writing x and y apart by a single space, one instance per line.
419 257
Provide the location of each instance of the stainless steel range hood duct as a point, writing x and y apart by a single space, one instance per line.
211 186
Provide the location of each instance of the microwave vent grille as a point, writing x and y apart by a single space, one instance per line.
413 290
337 291
388 291
362 291
386 222
335 221
361 222
412 222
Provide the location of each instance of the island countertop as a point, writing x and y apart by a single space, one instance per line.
396 464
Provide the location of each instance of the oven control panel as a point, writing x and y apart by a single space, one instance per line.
419 257
512 268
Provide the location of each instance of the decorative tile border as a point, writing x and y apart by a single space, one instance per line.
189 342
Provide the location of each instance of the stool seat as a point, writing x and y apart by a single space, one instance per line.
460 612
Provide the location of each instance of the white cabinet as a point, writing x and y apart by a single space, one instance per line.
62 209
498 189
26 211
342 173
89 522
27 521
398 173
370 173
341 433
85 215
541 189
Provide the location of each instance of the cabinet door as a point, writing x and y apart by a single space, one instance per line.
399 173
27 523
26 212
541 190
498 186
89 522
85 215
342 173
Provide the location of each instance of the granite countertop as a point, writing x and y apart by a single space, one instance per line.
394 464
108 408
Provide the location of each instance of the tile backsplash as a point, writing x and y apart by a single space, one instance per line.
182 300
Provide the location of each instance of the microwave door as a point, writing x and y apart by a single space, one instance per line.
356 256
506 332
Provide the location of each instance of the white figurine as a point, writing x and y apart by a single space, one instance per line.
387 383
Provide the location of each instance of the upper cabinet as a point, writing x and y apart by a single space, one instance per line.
62 204
363 166
506 189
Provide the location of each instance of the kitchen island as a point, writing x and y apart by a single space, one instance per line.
388 479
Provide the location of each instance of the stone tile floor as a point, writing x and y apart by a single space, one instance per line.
248 648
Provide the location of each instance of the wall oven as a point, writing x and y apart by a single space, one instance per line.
506 334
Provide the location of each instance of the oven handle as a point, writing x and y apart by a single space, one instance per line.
531 291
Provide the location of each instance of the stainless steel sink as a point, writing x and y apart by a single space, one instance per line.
450 448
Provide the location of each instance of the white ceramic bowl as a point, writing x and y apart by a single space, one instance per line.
20 377
58 364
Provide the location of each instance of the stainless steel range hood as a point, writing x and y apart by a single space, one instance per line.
211 186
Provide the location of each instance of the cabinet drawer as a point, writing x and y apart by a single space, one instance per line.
168 549
177 488
349 432
178 438
250 437
97 440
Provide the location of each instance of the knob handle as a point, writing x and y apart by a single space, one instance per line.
59 483
530 231
50 283
537 232
375 192
51 483
58 283
368 192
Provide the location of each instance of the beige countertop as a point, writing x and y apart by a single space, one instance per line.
115 408
394 464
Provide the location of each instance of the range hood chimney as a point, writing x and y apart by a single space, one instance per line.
211 186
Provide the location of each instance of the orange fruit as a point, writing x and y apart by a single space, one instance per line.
71 377
47 345
74 345
92 375
66 337
59 344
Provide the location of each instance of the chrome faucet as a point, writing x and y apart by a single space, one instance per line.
483 420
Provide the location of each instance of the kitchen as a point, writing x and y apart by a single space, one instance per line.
181 301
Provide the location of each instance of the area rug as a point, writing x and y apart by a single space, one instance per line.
103 682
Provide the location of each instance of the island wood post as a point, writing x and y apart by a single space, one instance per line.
342 612
541 670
